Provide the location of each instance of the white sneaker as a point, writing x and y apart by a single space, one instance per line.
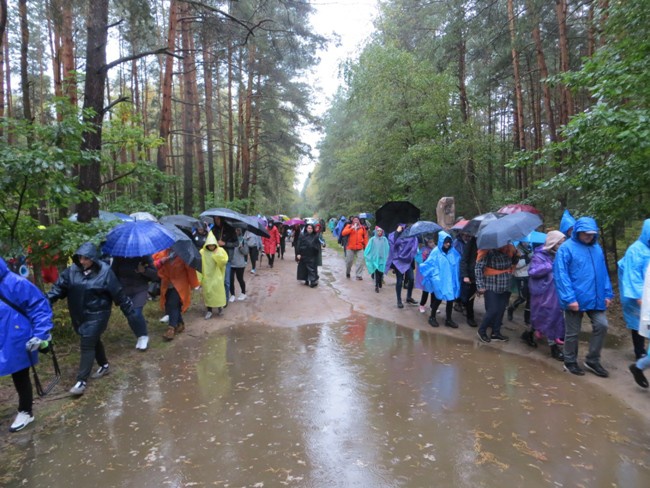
231 299
165 319
423 309
22 420
143 342
101 371
208 315
79 388
241 297
252 271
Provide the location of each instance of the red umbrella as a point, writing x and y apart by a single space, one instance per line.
518 207
460 224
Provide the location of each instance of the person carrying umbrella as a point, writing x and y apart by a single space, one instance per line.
135 274
400 259
583 286
25 322
177 279
493 270
212 276
91 288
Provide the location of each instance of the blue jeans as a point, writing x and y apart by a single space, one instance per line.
226 281
643 363
138 323
573 323
173 307
400 283
495 307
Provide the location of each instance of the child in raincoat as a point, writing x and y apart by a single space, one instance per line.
441 276
375 255
177 280
212 277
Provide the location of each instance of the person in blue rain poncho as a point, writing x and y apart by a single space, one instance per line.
583 286
375 255
644 329
631 273
441 277
567 223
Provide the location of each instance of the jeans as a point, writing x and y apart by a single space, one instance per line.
173 307
400 282
435 303
138 323
91 348
495 307
239 273
379 277
254 254
24 388
643 363
573 323
350 257
226 280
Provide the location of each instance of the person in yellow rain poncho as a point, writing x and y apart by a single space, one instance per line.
213 260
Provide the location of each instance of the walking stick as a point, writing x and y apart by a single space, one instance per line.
57 373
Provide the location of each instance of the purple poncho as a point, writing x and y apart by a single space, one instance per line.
402 251
545 313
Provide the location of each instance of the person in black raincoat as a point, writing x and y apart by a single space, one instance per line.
307 251
91 288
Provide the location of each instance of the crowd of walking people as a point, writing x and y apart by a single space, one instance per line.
557 282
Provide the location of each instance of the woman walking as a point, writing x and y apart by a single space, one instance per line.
307 251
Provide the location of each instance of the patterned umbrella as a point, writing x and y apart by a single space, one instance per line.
137 238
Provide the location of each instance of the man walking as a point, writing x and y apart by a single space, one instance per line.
583 286
357 239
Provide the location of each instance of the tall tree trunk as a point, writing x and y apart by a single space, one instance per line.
54 38
24 48
67 46
187 116
231 140
166 104
245 149
3 6
209 115
196 112
566 105
520 135
222 136
93 105
543 74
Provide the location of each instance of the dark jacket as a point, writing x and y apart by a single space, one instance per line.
136 285
468 261
90 293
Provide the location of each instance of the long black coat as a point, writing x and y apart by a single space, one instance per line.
90 293
308 248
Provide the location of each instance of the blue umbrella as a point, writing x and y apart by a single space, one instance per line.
535 237
138 238
124 217
422 227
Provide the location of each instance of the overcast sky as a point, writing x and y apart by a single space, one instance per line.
352 21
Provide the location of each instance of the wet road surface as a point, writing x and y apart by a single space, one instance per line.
357 403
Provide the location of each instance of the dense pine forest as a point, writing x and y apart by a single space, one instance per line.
174 106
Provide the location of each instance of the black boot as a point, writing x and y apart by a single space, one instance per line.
528 337
556 352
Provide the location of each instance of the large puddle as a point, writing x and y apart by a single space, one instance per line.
363 403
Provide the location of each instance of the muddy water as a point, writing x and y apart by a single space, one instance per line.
362 403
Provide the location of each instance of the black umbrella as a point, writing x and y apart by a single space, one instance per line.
184 247
391 214
236 219
182 221
473 225
499 232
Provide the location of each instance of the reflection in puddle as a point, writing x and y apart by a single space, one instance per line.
361 403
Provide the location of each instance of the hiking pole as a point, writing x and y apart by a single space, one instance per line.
57 373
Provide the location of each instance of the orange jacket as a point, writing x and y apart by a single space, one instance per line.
178 274
357 239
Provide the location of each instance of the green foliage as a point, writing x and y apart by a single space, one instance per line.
607 147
